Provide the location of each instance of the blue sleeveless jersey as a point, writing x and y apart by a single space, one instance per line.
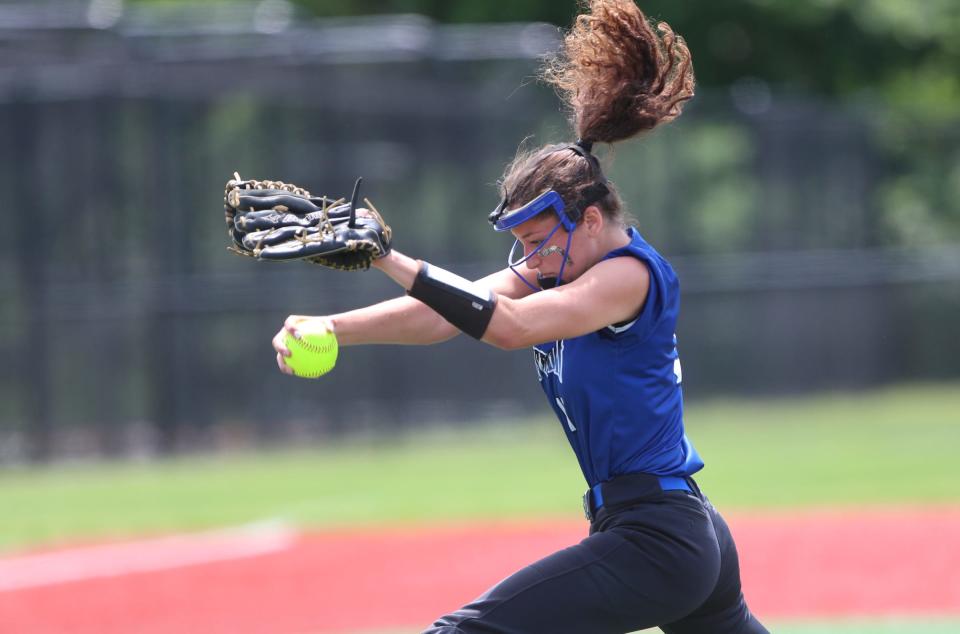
617 391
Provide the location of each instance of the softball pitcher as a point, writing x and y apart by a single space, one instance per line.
598 305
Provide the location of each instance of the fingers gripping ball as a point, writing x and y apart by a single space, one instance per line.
312 354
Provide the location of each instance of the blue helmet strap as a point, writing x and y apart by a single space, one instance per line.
513 264
550 199
543 281
553 282
568 217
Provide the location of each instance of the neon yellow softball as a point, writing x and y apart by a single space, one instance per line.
313 354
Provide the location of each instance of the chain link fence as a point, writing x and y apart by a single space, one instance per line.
127 327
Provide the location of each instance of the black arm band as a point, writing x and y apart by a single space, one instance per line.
466 305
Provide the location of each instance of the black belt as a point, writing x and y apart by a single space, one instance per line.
629 489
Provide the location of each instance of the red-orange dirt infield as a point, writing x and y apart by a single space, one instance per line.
815 564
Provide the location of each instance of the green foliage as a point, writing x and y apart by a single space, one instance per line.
830 47
456 11
898 53
894 60
710 163
836 47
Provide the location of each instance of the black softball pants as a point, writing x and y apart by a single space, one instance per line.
667 561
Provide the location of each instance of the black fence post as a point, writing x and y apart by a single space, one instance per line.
30 222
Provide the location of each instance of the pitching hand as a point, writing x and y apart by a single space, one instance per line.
297 326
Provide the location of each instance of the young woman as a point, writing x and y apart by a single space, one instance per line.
599 306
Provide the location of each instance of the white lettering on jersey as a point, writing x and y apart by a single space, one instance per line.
549 362
565 414
677 370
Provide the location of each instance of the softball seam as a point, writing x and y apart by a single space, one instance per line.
319 349
309 347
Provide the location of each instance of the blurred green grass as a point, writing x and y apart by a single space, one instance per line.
894 446
900 625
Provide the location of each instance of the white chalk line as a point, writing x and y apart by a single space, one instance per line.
149 555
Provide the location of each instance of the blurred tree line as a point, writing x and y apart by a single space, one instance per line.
907 51
902 54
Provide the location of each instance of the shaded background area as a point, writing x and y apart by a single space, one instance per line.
809 198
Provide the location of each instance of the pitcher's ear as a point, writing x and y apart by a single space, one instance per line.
593 220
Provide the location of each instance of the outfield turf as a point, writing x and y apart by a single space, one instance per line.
902 625
895 446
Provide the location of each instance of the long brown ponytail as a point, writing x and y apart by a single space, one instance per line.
620 75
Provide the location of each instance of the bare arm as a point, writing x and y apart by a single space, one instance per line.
402 320
405 320
610 292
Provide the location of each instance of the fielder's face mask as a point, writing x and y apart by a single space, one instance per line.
567 218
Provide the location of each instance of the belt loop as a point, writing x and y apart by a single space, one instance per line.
593 501
670 483
597 495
